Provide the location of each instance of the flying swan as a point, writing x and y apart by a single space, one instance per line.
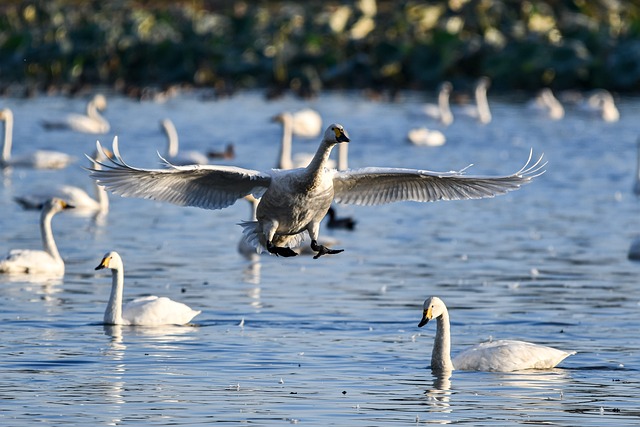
296 200
145 311
496 356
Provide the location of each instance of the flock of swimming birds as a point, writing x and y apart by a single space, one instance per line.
288 203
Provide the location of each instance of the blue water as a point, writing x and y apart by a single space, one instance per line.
332 341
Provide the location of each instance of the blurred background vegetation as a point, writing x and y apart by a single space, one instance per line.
304 47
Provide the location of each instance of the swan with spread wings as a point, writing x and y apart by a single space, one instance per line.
296 200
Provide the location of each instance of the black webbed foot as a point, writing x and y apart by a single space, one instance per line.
280 251
323 250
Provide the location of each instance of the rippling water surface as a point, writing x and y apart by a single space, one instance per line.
332 341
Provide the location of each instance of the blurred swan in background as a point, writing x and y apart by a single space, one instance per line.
306 123
602 104
426 137
498 356
39 159
546 102
83 203
145 311
39 262
480 111
92 122
173 154
295 201
441 111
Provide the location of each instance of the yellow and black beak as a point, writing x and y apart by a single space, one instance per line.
104 263
341 135
66 205
426 316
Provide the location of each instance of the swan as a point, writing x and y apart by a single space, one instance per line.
290 126
92 122
83 203
441 111
39 159
546 102
480 111
497 356
426 137
601 103
145 311
636 184
294 201
36 262
190 157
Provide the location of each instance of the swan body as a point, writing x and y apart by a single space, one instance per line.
295 201
496 356
145 311
176 157
546 102
426 137
38 262
40 159
480 111
602 104
92 122
441 111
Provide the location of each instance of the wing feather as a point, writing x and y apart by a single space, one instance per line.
375 186
203 186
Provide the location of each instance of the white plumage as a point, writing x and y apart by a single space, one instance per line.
294 201
91 122
145 311
546 103
39 159
39 262
498 356
480 110
306 123
441 111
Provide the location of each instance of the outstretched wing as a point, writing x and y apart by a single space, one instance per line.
203 186
376 186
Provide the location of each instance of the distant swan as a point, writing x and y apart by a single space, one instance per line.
441 111
306 123
480 111
39 262
546 103
92 122
498 356
83 203
145 311
294 201
426 137
176 157
601 103
39 159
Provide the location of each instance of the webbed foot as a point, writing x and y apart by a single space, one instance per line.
323 250
280 251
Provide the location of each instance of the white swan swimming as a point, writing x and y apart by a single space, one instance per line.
39 159
426 137
173 154
39 262
92 122
602 104
498 356
83 203
145 311
480 111
546 103
441 111
306 123
294 201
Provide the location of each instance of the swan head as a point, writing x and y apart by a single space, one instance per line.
6 115
282 117
100 102
56 204
432 308
446 87
336 134
110 260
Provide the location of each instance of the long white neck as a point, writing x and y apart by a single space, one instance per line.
484 113
285 145
8 137
100 193
172 138
48 243
446 117
441 355
319 161
92 112
113 313
343 157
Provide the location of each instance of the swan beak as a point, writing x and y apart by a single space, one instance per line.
104 263
341 135
426 316
66 205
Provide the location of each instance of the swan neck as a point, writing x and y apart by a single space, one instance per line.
445 110
441 355
286 143
172 140
48 242
317 164
100 193
8 138
484 113
113 313
92 112
343 157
